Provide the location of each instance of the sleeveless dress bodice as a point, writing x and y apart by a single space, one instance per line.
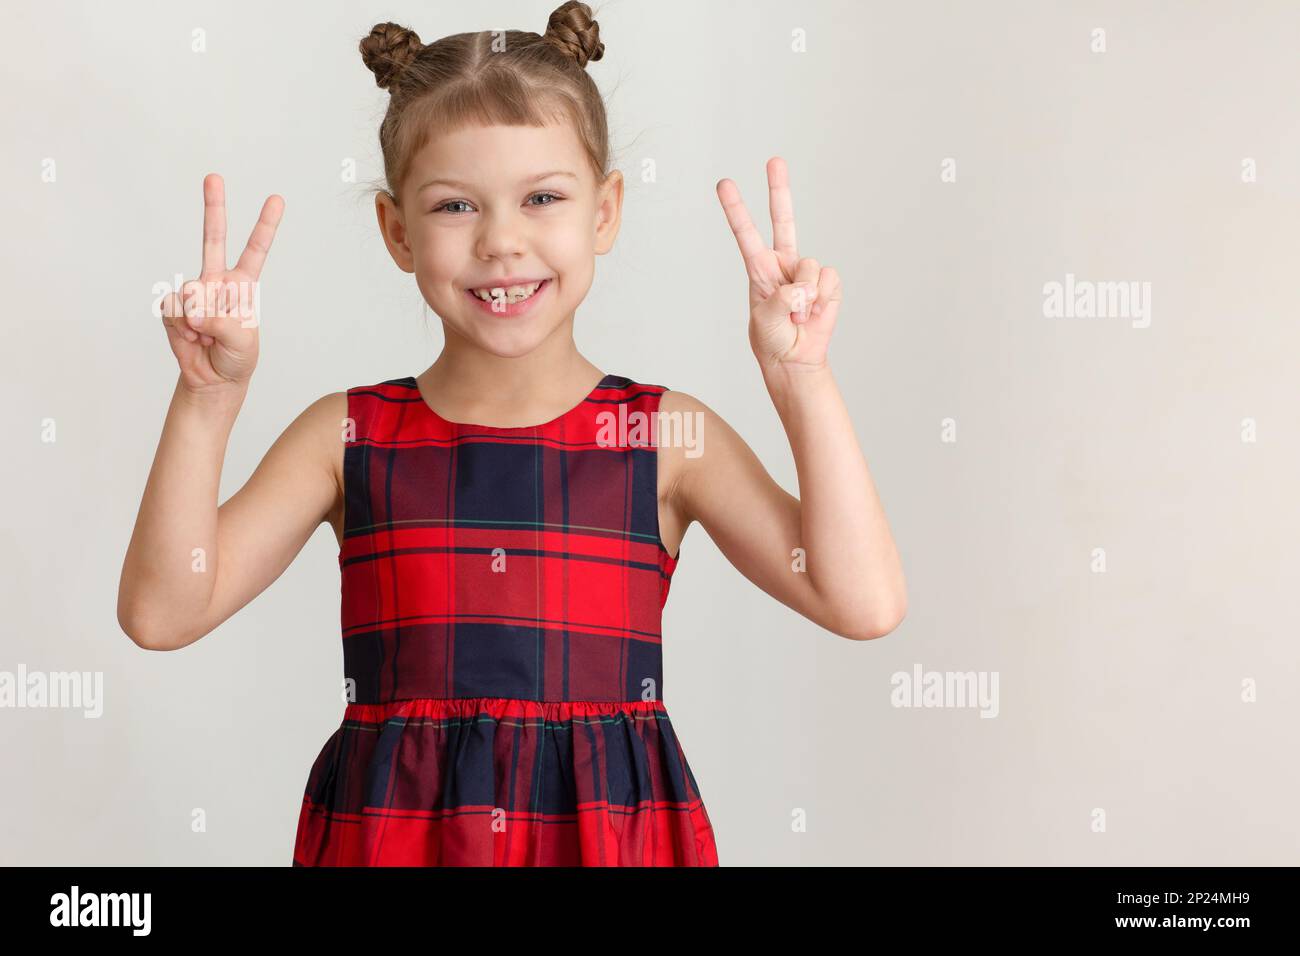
501 601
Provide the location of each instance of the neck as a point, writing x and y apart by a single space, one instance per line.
475 385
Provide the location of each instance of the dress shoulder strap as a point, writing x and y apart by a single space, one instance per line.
376 411
630 407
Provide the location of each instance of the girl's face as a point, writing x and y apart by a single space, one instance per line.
493 206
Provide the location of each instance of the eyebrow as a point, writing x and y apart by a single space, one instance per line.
459 185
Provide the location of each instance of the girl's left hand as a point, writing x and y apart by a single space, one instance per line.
792 301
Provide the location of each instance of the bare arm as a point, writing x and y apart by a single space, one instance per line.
852 582
847 577
191 565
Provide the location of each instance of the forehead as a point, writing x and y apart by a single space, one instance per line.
488 156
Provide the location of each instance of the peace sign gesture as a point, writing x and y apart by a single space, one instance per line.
212 323
792 302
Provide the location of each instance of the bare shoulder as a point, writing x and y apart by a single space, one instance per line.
326 419
685 422
323 429
314 440
675 405
292 490
688 417
328 409
315 435
676 409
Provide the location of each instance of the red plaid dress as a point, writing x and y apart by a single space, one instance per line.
501 599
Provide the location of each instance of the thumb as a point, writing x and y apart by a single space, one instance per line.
792 297
214 307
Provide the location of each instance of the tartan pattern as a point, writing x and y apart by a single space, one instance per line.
501 601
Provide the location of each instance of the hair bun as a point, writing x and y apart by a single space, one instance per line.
388 50
572 29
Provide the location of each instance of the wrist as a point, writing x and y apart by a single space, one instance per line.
212 399
795 389
789 377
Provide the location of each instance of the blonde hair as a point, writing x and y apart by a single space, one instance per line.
511 77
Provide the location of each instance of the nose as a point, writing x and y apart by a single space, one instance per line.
501 234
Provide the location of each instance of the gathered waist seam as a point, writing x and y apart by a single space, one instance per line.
497 707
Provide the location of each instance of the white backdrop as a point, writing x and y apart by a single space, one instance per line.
1146 711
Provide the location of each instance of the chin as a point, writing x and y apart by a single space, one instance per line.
511 343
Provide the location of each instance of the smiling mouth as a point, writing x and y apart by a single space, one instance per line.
509 295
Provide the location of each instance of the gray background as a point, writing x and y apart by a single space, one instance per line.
1120 691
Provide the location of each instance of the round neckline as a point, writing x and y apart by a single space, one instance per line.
507 428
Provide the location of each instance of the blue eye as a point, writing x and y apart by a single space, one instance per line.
554 197
451 202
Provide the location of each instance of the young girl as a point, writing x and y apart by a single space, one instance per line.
507 524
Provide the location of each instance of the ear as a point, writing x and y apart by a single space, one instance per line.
609 211
393 229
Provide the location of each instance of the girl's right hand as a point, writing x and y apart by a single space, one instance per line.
212 323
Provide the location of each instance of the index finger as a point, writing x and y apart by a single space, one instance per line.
259 241
782 207
214 225
742 227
